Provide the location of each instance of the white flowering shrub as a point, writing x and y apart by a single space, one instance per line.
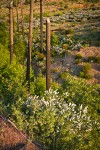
64 44
56 123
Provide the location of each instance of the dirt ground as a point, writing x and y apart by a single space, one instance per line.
70 66
13 139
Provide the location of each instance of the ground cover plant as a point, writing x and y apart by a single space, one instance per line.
68 115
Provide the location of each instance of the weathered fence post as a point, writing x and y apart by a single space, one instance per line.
41 27
29 44
11 30
17 16
47 54
22 18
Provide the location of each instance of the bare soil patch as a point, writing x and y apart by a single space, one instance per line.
13 139
68 64
90 51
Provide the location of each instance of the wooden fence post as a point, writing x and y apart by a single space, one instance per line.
41 27
17 16
22 18
29 45
48 54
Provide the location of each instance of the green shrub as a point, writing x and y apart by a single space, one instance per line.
61 4
88 76
77 61
54 39
95 59
46 14
86 68
78 56
40 85
4 35
69 31
39 56
58 124
4 57
58 13
20 49
55 70
81 74
53 53
26 18
36 15
91 58
17 113
63 75
65 46
55 85
85 73
66 6
13 77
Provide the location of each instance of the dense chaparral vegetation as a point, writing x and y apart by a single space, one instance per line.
66 116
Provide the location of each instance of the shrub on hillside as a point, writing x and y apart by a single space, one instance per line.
4 35
86 67
20 49
95 59
57 124
54 39
85 73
